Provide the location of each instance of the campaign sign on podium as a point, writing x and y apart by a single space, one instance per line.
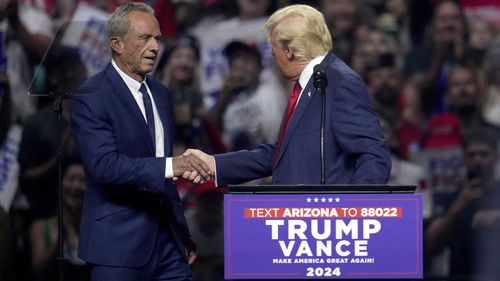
330 236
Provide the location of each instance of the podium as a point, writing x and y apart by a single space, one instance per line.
323 232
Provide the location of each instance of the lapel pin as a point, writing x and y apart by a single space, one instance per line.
309 93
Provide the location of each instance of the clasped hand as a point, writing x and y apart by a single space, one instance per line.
194 165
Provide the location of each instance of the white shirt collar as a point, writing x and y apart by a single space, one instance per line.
308 71
131 83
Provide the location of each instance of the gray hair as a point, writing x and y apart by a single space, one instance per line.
119 24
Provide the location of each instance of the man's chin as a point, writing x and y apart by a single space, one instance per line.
147 69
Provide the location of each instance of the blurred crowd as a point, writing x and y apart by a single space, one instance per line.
432 69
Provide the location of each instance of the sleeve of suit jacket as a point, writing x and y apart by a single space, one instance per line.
94 134
357 131
244 165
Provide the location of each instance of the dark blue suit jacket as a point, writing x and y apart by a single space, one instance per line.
126 186
355 150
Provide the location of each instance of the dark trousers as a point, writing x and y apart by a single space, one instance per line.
166 263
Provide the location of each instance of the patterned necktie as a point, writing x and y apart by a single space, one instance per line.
148 107
292 101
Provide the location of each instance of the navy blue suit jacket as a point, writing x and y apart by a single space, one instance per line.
125 181
355 150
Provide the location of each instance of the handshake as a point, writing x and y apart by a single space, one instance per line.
194 165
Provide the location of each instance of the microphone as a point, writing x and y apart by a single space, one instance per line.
319 78
320 82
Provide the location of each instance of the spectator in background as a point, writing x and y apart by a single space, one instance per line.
384 85
464 99
186 13
250 104
471 223
481 35
44 232
370 48
445 46
344 19
26 33
398 100
38 149
178 70
410 131
396 21
403 172
490 84
244 22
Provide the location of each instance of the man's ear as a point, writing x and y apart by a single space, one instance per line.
289 53
116 45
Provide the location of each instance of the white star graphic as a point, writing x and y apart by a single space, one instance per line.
323 200
308 200
316 199
337 199
330 199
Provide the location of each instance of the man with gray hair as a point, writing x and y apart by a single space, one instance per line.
355 150
133 225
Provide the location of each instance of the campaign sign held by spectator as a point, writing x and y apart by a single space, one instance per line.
316 236
87 32
213 40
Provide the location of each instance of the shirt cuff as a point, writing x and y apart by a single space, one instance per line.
215 172
169 169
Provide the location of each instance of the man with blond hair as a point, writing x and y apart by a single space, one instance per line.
355 150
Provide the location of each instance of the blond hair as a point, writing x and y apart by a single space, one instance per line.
302 29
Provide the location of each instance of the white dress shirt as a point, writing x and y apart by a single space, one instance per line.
307 73
134 86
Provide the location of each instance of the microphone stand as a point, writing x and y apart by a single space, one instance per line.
58 109
320 82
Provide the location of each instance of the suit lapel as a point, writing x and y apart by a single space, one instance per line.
125 96
305 99
301 107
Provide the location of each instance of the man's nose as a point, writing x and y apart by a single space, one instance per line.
154 45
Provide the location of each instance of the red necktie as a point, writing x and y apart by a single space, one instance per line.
288 115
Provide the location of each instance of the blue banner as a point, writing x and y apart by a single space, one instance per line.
316 236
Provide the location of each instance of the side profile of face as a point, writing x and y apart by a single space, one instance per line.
137 51
285 59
